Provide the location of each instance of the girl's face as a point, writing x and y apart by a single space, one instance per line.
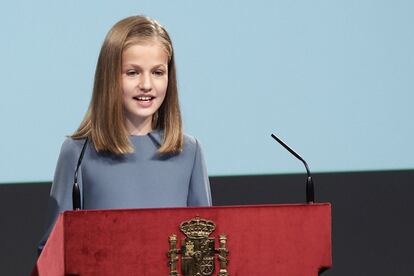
144 83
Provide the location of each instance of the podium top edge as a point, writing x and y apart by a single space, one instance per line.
290 205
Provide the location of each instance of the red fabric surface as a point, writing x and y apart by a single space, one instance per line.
51 261
262 240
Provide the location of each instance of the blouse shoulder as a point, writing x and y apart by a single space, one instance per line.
192 146
71 149
190 141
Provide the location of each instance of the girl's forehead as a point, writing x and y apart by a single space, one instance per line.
145 54
146 51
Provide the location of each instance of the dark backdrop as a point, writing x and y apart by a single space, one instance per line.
372 217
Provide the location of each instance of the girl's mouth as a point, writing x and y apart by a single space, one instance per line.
144 98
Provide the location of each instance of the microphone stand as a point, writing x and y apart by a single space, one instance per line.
310 192
76 194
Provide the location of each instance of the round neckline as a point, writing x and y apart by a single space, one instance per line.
143 135
154 136
154 132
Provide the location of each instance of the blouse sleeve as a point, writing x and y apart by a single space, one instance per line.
60 198
199 190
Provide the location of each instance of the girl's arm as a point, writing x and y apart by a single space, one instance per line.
199 190
61 192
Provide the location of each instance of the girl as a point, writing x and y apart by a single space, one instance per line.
136 154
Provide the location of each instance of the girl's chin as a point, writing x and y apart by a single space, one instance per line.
140 116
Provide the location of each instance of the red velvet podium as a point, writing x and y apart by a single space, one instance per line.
285 240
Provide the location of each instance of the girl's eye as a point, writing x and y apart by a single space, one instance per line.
131 73
159 72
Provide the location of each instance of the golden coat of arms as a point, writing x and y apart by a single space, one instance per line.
197 250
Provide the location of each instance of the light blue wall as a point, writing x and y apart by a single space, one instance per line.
332 78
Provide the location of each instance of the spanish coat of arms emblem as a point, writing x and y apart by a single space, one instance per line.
197 250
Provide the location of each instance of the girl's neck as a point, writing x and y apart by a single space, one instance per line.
143 127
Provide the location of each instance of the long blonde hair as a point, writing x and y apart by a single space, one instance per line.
104 122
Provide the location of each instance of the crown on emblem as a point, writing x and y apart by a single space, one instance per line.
197 228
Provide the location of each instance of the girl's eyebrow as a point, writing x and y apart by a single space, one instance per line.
136 65
160 65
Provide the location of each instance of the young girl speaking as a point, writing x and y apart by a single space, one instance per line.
136 155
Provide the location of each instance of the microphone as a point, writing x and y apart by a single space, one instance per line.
310 193
76 195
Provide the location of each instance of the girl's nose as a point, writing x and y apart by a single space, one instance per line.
145 82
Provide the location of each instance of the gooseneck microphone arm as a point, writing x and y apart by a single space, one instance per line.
76 195
310 193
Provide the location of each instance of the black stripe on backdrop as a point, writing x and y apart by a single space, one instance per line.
372 217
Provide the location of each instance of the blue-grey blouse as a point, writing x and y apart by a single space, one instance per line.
142 179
